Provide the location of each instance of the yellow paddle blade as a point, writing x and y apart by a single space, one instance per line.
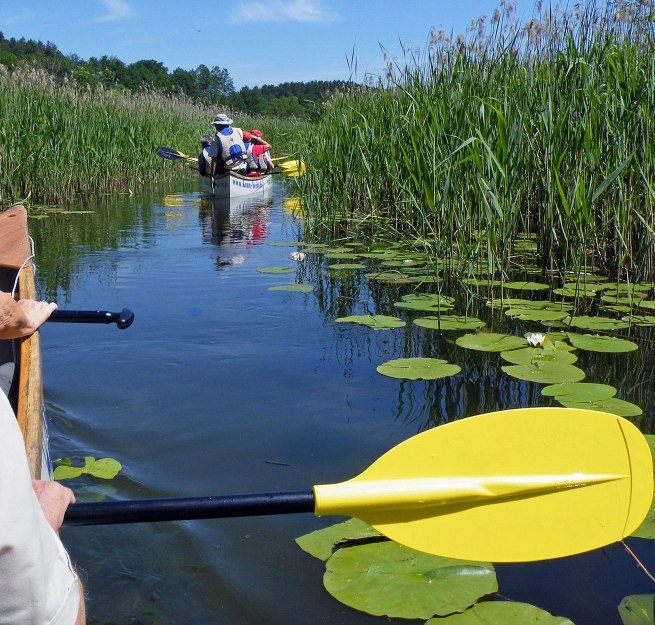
293 168
509 486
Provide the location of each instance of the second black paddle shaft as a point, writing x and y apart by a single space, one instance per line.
224 506
122 319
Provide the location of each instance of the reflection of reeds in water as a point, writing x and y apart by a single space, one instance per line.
545 127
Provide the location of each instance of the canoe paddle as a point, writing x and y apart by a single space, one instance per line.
122 319
172 155
508 486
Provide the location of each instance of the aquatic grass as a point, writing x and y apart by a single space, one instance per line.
544 128
58 140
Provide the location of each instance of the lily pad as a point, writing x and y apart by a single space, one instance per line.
300 288
103 468
322 543
541 314
418 368
585 322
390 276
346 266
275 269
648 304
606 344
528 355
643 321
377 322
637 610
426 302
502 613
449 322
527 286
545 372
612 405
579 391
387 579
490 342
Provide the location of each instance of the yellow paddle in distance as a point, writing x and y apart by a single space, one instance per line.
509 486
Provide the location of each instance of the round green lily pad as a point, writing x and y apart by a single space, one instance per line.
528 355
527 286
649 304
643 321
418 368
346 266
394 277
637 609
607 344
502 613
449 322
613 405
585 322
323 542
541 314
377 322
275 269
387 579
490 342
299 288
545 372
579 391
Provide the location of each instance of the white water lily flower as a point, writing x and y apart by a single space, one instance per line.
535 339
297 256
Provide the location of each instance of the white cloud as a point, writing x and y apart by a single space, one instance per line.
116 10
280 11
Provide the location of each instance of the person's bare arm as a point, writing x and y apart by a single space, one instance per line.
22 317
54 499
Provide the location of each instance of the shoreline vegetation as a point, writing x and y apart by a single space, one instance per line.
59 140
543 130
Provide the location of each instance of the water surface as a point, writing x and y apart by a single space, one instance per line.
222 387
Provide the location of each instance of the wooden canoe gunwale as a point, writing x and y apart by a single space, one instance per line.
15 253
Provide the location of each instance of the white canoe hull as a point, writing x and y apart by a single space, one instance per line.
233 185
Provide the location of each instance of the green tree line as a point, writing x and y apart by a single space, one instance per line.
211 86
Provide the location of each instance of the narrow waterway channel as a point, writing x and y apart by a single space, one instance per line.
222 387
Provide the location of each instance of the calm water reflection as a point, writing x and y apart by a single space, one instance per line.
223 387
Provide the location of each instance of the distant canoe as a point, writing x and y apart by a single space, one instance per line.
232 185
26 393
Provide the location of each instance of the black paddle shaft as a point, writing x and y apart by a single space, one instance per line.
224 506
122 319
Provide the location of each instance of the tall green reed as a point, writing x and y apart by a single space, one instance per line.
58 140
542 127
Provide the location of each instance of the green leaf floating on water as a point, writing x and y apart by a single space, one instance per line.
377 322
425 302
275 270
606 344
527 286
643 321
502 613
541 314
346 266
637 610
579 391
387 579
647 528
612 405
490 342
449 322
418 368
585 322
545 372
104 468
527 355
300 288
648 304
322 543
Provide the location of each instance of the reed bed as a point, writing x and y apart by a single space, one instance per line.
58 141
544 128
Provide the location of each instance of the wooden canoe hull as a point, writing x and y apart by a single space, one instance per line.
15 259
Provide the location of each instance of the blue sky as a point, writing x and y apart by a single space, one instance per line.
272 41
